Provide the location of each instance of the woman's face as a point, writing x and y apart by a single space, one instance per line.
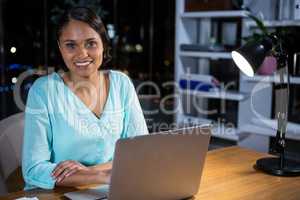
81 48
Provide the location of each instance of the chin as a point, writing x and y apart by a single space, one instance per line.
86 73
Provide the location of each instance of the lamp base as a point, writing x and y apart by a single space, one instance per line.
272 166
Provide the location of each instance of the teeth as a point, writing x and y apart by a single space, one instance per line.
83 63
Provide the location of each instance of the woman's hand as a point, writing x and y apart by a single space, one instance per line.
104 171
67 168
72 173
105 176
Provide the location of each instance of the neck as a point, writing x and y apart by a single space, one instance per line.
85 84
94 78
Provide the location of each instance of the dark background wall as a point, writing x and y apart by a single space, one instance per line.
29 26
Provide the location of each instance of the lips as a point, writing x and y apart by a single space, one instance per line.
83 64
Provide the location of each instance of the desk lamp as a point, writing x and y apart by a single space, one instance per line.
248 58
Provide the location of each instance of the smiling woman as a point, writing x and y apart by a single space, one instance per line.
73 119
81 48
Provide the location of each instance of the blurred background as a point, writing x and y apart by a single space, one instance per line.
141 33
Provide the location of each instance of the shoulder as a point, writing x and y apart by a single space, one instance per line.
120 80
122 84
119 76
44 84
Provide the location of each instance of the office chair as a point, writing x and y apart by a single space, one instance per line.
11 141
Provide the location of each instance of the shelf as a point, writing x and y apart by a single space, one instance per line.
267 131
211 55
220 131
198 77
235 96
215 14
275 23
225 132
195 120
295 80
268 127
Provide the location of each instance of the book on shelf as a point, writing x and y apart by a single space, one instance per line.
198 82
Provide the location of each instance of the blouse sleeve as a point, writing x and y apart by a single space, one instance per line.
134 121
37 145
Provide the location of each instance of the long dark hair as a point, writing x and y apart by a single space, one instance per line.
89 17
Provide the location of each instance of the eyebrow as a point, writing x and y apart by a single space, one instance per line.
88 39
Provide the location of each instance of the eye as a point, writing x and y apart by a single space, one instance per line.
70 45
91 44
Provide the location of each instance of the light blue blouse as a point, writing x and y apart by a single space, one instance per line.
59 126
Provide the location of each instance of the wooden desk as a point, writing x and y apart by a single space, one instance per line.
228 175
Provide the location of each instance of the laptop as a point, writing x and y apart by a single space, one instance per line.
160 166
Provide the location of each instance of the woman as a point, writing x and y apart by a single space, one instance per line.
73 120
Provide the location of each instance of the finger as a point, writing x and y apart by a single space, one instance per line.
62 175
71 172
67 172
58 166
69 165
74 167
60 178
61 168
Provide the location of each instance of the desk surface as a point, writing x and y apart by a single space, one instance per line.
228 175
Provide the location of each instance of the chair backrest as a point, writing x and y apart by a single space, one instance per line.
3 188
11 141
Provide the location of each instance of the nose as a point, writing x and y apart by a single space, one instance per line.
82 52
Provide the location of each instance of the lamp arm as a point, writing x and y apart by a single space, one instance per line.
282 100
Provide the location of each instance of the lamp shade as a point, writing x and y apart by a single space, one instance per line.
250 56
